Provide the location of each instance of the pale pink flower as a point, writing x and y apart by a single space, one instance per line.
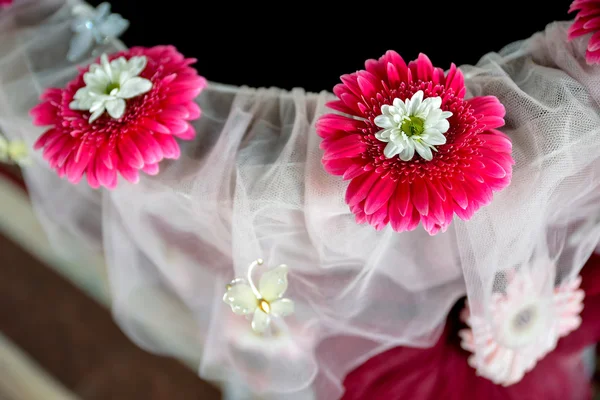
524 325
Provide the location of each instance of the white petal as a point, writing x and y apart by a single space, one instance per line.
118 64
97 80
397 136
273 283
383 121
77 105
94 68
282 307
124 76
446 114
102 10
391 150
432 118
415 102
241 298
137 65
84 10
383 135
401 106
106 65
408 153
96 114
100 96
442 125
433 137
115 108
82 93
97 105
81 43
398 103
434 102
426 107
422 112
424 151
113 26
97 90
134 87
260 321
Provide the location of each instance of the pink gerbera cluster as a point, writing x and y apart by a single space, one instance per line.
413 148
120 116
586 22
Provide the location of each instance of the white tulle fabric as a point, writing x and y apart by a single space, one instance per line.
251 185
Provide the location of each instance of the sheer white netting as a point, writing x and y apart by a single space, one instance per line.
546 222
34 36
251 185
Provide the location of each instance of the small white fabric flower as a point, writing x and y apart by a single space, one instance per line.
524 326
412 125
109 84
261 303
14 151
94 26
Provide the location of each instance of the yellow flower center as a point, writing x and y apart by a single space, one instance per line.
413 126
112 86
524 318
264 306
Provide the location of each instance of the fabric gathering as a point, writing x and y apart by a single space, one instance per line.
250 246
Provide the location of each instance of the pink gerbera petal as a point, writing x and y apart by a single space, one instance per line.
587 21
140 139
461 175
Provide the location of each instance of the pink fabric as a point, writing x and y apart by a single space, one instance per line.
463 174
138 140
442 372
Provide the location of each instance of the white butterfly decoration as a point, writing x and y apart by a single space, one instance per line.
94 26
262 303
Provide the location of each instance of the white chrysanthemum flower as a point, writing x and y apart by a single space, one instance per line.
525 325
14 151
412 125
109 84
263 302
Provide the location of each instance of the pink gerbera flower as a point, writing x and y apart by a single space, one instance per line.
587 21
413 149
120 115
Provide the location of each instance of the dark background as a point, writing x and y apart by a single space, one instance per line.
300 44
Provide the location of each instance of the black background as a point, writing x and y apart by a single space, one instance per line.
301 44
